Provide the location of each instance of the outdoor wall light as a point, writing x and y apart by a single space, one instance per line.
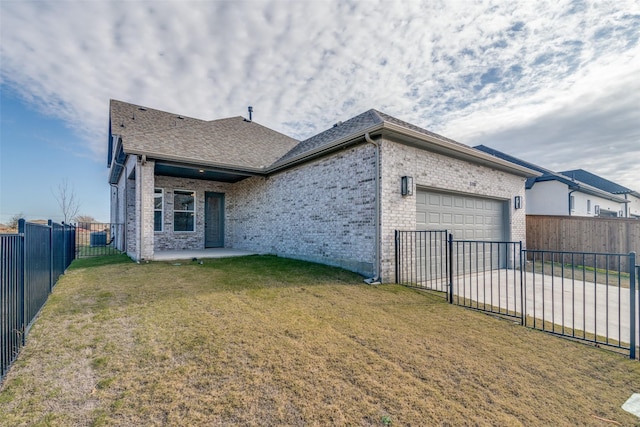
406 186
517 202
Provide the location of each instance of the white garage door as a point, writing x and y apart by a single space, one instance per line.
467 217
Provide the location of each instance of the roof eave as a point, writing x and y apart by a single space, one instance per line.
459 151
198 162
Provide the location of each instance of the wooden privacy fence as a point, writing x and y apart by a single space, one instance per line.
583 234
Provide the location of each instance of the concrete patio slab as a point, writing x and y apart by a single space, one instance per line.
199 253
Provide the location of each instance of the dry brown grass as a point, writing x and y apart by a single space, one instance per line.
268 341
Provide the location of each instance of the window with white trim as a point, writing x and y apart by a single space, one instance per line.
184 210
572 203
588 206
158 209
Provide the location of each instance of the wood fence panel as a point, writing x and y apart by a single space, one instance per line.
583 234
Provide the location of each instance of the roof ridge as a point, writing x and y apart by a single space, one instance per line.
145 108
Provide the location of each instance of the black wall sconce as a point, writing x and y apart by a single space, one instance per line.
406 186
517 202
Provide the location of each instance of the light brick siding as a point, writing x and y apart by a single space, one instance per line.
436 171
322 211
126 213
169 239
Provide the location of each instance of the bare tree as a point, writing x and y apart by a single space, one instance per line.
13 221
67 201
85 221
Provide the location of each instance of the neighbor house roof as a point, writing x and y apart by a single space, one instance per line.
549 175
598 182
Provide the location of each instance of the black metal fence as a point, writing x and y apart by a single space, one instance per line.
97 239
486 276
591 297
421 259
586 296
30 264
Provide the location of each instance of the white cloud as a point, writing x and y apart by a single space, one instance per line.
474 71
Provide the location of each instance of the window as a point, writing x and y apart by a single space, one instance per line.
572 203
184 204
158 210
588 206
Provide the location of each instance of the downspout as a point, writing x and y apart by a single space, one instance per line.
571 192
376 275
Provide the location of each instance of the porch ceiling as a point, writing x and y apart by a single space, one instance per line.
195 172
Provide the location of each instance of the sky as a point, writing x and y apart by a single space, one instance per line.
554 83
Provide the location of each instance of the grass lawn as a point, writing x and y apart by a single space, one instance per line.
267 341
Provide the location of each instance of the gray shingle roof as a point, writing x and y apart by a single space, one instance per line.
549 175
232 142
237 143
129 119
596 181
355 127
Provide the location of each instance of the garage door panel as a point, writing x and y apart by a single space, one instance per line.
468 217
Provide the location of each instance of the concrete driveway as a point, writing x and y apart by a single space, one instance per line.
579 305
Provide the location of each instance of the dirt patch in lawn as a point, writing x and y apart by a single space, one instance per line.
270 341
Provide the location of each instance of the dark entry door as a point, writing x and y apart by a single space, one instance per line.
214 220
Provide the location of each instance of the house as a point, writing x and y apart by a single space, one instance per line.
633 197
553 193
335 198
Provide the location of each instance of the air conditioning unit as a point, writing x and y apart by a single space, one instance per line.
596 210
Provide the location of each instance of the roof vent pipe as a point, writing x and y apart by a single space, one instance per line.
250 113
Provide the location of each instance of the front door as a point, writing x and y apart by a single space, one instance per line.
213 220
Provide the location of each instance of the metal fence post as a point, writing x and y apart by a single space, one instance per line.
522 290
397 257
632 305
450 272
51 249
22 229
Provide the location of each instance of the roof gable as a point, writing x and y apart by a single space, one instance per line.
232 142
341 130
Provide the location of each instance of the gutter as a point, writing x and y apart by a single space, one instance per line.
375 280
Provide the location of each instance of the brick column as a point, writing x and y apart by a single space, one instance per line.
145 184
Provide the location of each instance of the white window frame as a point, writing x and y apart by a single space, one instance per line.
572 203
193 193
161 210
588 206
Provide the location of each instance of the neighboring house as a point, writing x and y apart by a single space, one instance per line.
554 193
633 197
335 198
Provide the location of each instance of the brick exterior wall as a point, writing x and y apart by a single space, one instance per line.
168 238
123 207
437 171
144 203
322 211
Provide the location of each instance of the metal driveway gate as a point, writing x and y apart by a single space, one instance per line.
592 297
